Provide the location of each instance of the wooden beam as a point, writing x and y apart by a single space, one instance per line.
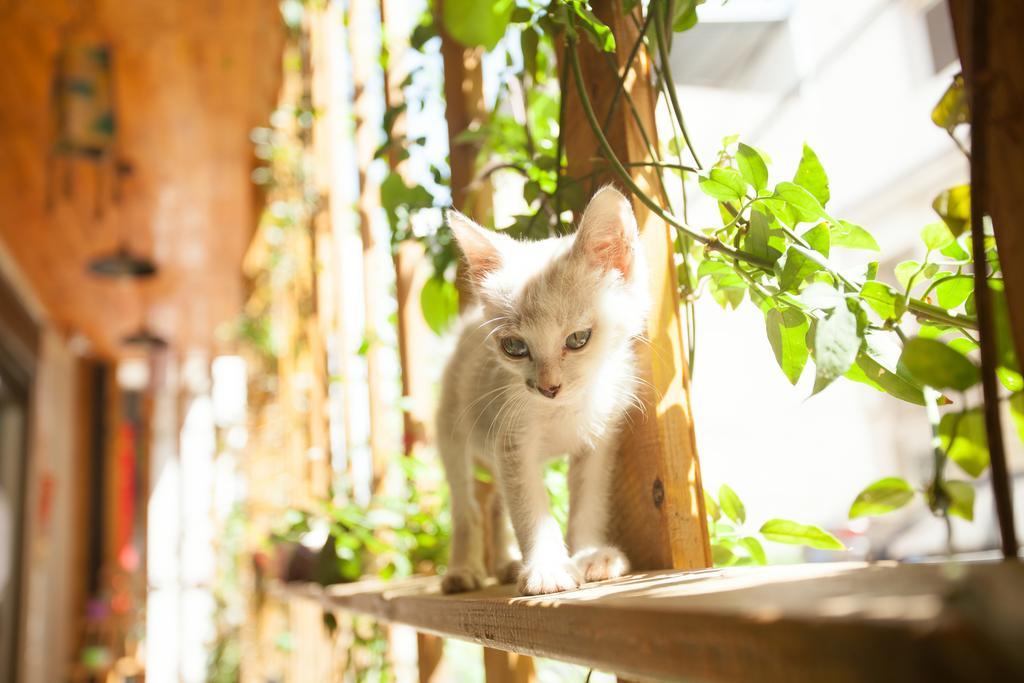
660 520
819 622
1005 147
508 667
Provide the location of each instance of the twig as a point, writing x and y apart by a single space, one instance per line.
710 242
673 97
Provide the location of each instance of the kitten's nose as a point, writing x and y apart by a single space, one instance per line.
551 391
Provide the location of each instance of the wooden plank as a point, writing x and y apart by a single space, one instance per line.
822 622
659 520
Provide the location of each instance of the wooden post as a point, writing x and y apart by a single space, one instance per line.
992 58
412 269
659 518
363 23
335 221
1005 147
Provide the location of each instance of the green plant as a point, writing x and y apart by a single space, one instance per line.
732 544
390 538
909 334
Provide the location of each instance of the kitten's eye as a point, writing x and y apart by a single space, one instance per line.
514 347
577 340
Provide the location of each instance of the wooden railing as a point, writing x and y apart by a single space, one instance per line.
820 622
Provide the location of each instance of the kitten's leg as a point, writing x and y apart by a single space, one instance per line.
547 567
506 561
466 555
590 473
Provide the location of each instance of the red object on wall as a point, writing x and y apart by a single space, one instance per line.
127 555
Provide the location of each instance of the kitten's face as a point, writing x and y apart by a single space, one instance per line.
561 311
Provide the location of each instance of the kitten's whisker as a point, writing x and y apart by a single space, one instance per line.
472 428
643 339
497 421
466 410
492 320
497 328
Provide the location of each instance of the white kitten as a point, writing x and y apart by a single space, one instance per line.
544 367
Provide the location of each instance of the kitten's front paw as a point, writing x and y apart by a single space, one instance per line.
538 578
509 573
598 564
462 580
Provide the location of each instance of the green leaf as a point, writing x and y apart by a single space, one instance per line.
872 373
724 184
756 550
954 208
685 15
961 498
878 366
440 303
1006 351
528 43
1011 379
805 206
851 236
711 507
1017 413
820 296
883 299
959 344
810 175
952 109
599 34
954 290
793 533
962 436
800 264
936 365
752 167
885 495
818 238
955 252
731 504
474 23
756 240
936 236
904 271
721 556
836 343
787 334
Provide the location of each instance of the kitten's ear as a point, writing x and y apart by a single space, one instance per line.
481 247
608 235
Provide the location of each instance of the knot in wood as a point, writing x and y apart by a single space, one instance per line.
658 493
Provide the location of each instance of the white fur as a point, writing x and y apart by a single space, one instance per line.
492 414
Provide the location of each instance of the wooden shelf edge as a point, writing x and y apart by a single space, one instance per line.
822 622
